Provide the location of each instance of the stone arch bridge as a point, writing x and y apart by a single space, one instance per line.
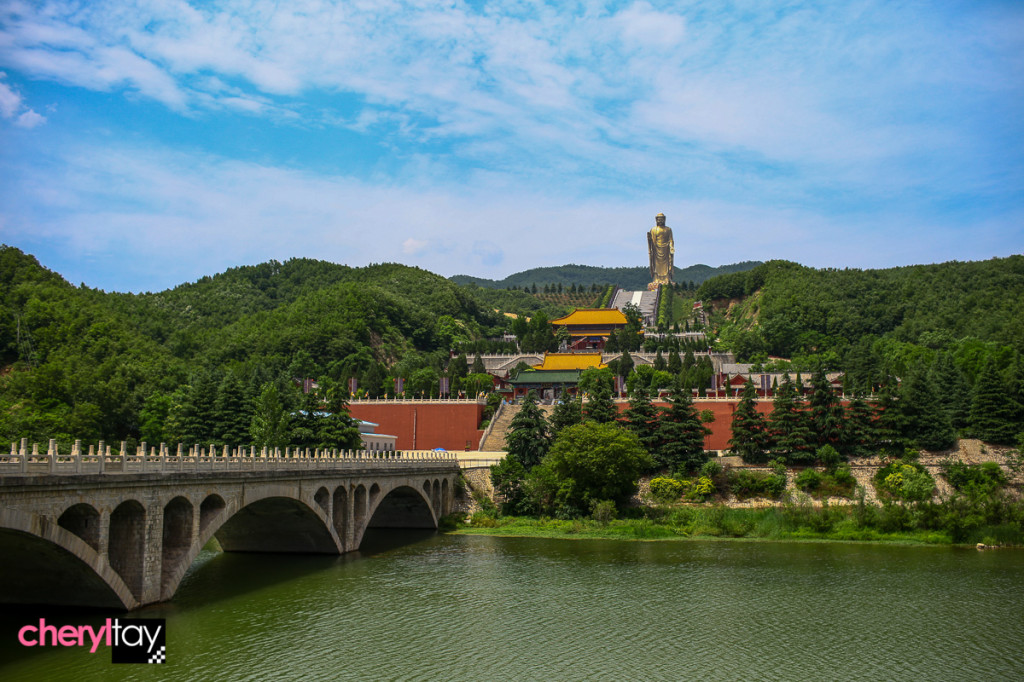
120 532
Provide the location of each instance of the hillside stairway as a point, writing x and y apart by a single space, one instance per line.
495 439
646 301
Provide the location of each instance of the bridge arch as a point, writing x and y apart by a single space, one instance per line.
46 563
126 545
179 518
272 521
84 521
402 507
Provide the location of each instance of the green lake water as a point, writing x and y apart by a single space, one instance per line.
479 608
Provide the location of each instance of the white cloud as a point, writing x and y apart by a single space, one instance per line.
12 107
151 219
29 119
413 247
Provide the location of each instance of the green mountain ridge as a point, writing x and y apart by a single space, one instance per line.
77 362
633 278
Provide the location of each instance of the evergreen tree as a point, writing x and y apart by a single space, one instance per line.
681 433
626 363
612 344
270 422
790 434
926 423
675 365
859 430
749 430
659 362
689 361
527 440
232 412
567 412
642 419
889 419
993 415
954 392
373 379
197 409
826 412
599 406
478 365
458 368
305 427
335 427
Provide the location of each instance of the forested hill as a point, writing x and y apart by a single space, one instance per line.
586 275
78 362
863 319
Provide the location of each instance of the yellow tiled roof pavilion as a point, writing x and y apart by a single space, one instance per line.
571 361
593 317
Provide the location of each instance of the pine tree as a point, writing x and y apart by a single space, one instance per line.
478 365
270 422
232 412
659 362
197 409
954 391
689 361
749 430
675 365
826 413
626 364
993 415
925 422
567 412
527 440
335 427
789 429
599 406
642 419
681 433
458 368
889 419
859 430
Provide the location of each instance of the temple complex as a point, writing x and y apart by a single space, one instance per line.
589 328
558 374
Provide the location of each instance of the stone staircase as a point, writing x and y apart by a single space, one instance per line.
495 440
647 301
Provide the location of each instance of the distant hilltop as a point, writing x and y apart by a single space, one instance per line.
628 278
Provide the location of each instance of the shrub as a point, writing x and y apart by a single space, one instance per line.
451 521
483 519
809 480
745 484
835 483
665 489
828 456
974 479
904 480
603 512
702 489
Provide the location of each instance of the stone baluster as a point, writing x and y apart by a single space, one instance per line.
124 457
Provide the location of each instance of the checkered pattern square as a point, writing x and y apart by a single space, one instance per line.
160 656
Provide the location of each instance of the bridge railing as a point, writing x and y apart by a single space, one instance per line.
101 459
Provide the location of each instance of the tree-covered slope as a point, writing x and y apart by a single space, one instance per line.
585 275
782 308
76 362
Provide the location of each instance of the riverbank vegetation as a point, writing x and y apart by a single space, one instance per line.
960 519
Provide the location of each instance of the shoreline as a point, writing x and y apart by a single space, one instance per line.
642 530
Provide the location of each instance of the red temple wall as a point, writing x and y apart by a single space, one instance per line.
452 426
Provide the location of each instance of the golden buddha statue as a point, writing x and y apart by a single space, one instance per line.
662 251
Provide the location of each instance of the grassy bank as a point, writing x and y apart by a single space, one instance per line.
789 523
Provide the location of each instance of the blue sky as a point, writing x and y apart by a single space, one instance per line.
148 143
